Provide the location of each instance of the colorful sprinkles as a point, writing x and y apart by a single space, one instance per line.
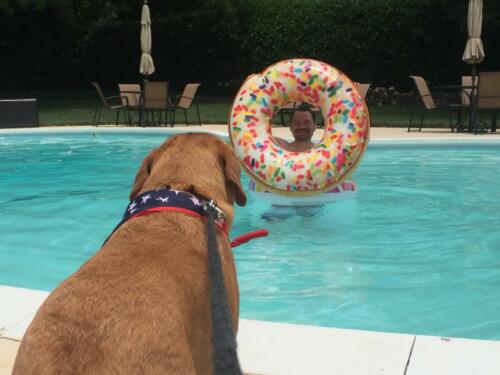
345 116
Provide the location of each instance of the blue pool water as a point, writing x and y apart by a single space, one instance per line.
416 251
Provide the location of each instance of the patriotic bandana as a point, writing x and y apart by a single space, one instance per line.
168 200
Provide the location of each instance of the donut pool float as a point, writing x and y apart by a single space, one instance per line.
319 169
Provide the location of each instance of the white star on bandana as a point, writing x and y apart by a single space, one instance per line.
145 199
195 201
132 206
162 200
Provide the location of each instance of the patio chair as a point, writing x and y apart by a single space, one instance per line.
428 103
155 99
362 88
289 110
186 101
488 94
113 103
130 94
286 110
466 93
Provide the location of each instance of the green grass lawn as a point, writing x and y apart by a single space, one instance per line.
81 112
213 111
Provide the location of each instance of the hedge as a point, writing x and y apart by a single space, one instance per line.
50 44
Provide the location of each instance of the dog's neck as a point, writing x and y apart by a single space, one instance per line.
160 200
181 201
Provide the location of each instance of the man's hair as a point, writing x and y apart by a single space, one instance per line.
304 107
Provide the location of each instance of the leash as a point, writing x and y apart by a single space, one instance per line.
248 236
223 336
225 355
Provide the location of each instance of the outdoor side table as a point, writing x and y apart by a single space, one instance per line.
18 113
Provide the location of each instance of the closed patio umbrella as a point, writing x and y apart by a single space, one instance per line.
147 67
474 52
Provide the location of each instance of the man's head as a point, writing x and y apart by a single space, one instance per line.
303 124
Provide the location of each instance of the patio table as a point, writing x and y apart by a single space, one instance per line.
461 89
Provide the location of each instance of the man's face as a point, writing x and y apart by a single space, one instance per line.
302 126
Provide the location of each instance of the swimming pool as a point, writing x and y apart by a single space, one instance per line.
417 250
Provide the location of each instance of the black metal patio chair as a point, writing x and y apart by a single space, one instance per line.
113 103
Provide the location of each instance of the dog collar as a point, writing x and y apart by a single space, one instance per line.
179 201
169 200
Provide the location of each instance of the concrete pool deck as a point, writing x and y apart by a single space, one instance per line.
277 348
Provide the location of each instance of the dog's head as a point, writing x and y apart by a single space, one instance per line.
197 163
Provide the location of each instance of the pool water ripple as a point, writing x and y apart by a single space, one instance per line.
416 251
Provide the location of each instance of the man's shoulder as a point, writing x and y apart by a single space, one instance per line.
281 142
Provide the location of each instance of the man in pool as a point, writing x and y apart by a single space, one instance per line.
302 127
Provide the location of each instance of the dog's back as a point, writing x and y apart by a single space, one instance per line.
128 309
141 305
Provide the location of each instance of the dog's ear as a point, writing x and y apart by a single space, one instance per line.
143 172
233 182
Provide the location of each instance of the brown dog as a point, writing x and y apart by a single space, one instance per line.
141 305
